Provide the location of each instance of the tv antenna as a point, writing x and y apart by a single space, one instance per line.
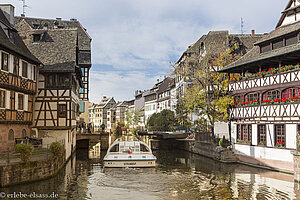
242 25
24 6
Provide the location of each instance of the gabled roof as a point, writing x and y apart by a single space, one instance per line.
56 45
14 43
254 55
217 41
84 37
284 14
166 85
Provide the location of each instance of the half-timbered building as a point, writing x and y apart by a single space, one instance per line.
39 26
59 80
265 85
18 76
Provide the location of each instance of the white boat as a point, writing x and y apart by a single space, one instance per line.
129 154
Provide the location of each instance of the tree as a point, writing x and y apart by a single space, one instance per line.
163 121
207 95
133 118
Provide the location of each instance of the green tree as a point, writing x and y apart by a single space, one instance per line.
163 121
207 95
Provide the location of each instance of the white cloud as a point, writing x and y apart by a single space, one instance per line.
144 35
120 85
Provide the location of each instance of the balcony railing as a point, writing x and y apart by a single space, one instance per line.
267 80
282 110
17 83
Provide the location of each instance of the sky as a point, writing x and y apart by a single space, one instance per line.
134 42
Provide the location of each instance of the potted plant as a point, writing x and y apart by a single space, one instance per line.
279 144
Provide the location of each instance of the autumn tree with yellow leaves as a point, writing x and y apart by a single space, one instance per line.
207 95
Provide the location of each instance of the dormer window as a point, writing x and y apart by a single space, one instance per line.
37 37
36 26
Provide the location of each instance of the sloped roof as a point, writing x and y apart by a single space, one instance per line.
166 85
14 43
84 38
217 41
55 46
254 54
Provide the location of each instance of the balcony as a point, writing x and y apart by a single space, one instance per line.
17 83
280 111
288 77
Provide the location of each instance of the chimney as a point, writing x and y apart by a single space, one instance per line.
73 20
58 19
252 32
22 15
9 12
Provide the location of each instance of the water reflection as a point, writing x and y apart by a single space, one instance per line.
179 175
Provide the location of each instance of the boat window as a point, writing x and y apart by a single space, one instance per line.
144 148
115 148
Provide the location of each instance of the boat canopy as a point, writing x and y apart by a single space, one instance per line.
132 146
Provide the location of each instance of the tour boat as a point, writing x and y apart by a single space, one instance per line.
129 154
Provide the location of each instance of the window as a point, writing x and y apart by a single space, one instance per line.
251 97
16 66
2 98
58 80
11 135
238 98
24 69
244 132
34 72
293 39
143 148
280 134
62 110
277 44
290 93
20 101
265 48
36 37
261 134
114 148
23 133
4 61
238 132
271 95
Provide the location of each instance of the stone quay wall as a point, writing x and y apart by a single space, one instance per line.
32 171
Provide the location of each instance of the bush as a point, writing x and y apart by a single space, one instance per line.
25 151
57 149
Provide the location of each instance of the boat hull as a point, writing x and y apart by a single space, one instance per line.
129 163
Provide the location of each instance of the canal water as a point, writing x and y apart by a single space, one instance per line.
179 175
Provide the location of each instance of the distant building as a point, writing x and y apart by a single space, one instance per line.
18 83
100 112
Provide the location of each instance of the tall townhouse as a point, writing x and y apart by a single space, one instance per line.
18 77
83 54
211 44
60 78
164 94
265 84
101 111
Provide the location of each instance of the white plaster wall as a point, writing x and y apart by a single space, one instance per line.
254 134
221 129
291 135
270 135
264 152
50 136
288 20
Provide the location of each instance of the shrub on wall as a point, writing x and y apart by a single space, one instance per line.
57 149
25 151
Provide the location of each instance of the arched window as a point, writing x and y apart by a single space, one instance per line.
23 133
11 135
251 97
290 93
271 95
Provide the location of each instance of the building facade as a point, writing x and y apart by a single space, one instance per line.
265 85
60 77
18 83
